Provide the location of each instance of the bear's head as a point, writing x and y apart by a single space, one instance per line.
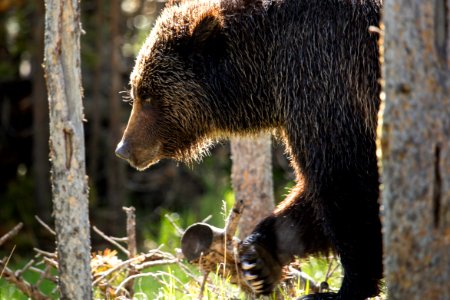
170 90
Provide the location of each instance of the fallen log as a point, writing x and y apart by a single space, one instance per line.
215 249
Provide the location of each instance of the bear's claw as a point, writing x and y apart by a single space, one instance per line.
249 277
247 266
260 269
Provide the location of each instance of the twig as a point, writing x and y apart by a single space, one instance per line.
7 261
40 263
49 229
205 220
233 219
51 262
187 271
55 289
156 263
330 273
103 235
119 239
11 233
26 288
142 257
202 287
330 264
44 274
45 253
172 221
19 273
304 278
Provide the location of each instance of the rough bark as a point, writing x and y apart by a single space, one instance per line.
69 186
252 179
415 149
41 165
132 245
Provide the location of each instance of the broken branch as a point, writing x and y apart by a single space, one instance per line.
49 229
103 235
11 233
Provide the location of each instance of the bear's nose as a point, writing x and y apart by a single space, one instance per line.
123 151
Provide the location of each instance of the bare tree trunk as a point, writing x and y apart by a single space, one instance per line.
252 179
41 165
415 147
116 167
70 191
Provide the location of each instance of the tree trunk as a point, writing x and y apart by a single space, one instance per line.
41 165
252 179
415 148
116 168
69 186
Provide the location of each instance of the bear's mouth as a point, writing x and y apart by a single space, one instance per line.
144 158
144 164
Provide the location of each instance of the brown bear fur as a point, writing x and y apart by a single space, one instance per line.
307 69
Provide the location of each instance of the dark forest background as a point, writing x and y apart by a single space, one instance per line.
113 33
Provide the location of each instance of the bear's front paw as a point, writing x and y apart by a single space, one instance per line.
260 269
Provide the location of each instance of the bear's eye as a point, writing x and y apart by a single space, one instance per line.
147 99
126 97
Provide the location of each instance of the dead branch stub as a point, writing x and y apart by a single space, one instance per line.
215 249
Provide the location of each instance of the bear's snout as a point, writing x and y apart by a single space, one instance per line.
123 150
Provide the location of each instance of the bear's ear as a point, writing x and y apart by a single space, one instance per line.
207 37
209 26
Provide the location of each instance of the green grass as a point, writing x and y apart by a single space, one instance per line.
171 282
174 284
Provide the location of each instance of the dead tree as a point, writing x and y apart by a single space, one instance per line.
415 148
69 184
251 176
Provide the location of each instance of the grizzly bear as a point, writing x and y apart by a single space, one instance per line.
305 69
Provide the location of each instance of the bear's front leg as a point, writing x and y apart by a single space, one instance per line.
293 230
